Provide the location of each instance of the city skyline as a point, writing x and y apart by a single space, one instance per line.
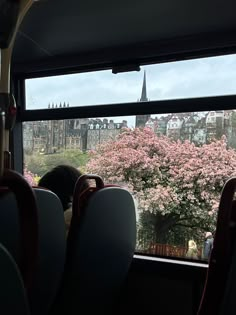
183 79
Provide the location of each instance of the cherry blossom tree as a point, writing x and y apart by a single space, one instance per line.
177 184
30 177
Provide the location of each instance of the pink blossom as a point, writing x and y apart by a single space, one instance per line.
30 177
167 176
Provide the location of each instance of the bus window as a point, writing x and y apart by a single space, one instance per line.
174 165
183 79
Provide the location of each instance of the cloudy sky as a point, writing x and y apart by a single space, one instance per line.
194 78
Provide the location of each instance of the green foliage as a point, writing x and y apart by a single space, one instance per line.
41 163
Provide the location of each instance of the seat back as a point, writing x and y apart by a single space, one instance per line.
101 244
26 213
218 296
228 305
15 278
52 245
52 252
13 299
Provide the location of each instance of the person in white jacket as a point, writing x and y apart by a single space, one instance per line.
192 250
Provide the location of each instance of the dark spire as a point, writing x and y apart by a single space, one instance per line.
142 119
144 89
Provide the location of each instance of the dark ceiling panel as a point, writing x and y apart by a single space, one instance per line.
59 29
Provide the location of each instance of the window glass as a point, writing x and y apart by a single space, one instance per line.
183 79
175 166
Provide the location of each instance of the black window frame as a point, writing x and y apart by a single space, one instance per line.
210 103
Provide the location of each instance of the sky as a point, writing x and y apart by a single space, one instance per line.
183 79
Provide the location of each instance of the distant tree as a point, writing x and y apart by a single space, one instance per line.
42 163
177 184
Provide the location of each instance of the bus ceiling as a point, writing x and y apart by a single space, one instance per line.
70 35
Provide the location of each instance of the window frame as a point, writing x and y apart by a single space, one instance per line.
210 103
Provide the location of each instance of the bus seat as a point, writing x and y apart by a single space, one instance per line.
52 249
228 305
16 277
52 245
26 216
100 248
13 299
219 292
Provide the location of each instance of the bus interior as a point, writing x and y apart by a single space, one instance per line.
71 74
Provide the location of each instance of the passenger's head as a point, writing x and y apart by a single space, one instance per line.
61 180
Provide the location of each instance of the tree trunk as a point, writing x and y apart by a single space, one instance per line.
155 227
163 225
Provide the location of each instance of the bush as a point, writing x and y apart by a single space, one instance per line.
41 163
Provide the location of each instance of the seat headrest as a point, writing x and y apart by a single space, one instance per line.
28 222
81 197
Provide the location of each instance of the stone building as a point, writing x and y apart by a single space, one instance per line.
173 128
100 131
52 136
49 137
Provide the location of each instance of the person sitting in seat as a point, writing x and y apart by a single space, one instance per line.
61 180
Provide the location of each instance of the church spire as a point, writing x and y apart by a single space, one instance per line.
142 119
144 89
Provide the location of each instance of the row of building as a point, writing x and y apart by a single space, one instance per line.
85 134
200 127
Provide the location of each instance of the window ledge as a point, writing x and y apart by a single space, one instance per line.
172 261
